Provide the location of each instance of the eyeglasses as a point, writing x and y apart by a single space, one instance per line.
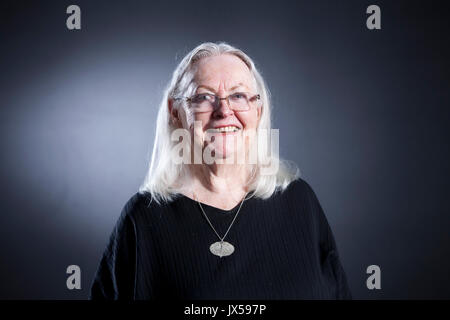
207 102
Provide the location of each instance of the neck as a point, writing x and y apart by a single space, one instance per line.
221 185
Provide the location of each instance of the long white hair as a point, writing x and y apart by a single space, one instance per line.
163 172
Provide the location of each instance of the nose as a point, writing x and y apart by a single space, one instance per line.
223 109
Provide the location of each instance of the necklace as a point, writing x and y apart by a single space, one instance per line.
221 248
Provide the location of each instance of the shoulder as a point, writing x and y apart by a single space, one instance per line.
299 189
136 204
142 210
301 195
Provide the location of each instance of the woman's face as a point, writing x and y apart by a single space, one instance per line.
223 75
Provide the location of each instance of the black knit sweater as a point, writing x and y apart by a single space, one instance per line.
284 249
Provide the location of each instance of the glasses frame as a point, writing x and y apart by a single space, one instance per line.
217 99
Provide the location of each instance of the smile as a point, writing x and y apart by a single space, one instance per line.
225 129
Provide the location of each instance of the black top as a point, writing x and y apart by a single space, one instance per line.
284 249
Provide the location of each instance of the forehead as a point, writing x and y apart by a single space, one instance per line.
225 71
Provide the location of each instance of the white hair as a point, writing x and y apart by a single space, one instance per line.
163 172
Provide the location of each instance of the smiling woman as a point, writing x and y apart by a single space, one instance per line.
226 229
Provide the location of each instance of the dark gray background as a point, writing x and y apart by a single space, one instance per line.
363 113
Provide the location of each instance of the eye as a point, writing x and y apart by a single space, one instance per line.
238 96
202 97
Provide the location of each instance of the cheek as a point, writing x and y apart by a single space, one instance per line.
190 124
197 127
249 120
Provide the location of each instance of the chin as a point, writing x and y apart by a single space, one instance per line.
220 151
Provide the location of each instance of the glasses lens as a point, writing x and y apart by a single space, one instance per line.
239 101
203 102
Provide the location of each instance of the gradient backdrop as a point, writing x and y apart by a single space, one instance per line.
365 115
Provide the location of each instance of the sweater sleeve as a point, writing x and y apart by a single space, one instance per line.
329 251
115 276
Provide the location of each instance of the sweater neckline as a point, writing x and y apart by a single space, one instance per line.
210 208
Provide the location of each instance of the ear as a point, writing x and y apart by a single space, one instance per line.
173 112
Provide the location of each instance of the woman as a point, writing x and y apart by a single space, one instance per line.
219 228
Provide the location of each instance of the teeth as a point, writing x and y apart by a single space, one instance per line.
226 129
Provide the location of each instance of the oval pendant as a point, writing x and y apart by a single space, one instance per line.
221 248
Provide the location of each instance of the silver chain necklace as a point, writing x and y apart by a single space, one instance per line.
221 248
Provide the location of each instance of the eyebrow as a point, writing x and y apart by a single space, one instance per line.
240 84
